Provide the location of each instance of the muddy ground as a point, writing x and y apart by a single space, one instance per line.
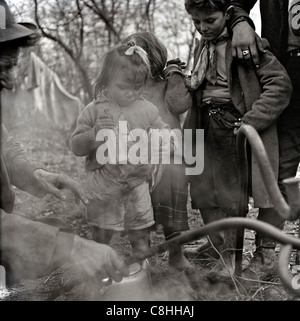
48 146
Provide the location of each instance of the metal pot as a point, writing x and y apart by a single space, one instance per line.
135 287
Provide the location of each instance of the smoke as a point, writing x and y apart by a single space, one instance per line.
4 293
168 287
162 287
151 283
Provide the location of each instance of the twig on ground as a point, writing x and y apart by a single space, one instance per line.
259 290
260 281
233 278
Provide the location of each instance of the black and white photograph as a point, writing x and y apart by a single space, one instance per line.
186 113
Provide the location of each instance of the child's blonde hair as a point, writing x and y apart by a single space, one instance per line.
126 56
156 50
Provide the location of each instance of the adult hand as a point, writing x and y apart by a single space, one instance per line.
246 44
99 260
53 183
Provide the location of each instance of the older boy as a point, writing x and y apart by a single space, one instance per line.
227 94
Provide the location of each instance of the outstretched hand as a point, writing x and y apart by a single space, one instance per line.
246 44
53 183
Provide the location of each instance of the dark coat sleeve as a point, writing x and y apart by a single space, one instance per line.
246 5
242 9
20 168
276 91
32 249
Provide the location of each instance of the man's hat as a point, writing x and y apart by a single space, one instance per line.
9 29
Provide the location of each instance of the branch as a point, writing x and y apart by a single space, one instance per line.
102 15
81 29
82 70
122 24
49 35
147 14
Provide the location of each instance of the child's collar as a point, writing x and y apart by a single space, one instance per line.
100 99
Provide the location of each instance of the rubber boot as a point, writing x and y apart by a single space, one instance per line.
101 235
206 252
139 240
178 265
177 261
223 270
263 265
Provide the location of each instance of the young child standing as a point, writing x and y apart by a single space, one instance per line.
229 93
119 197
166 89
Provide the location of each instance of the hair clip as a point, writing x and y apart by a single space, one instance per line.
131 50
131 43
138 50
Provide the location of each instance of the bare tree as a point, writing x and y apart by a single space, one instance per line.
68 33
77 32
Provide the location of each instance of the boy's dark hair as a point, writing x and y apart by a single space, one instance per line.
211 5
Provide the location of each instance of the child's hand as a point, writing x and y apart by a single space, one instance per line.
173 66
104 121
177 62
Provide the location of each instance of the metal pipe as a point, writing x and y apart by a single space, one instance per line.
241 143
220 225
283 270
293 195
289 211
284 210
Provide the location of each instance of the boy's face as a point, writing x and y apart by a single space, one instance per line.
210 24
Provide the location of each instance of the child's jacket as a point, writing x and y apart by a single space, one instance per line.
260 94
141 114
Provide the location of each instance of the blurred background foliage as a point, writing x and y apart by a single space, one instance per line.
75 34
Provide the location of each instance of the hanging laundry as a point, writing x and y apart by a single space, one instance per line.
49 95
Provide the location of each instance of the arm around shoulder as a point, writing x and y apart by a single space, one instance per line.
241 12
